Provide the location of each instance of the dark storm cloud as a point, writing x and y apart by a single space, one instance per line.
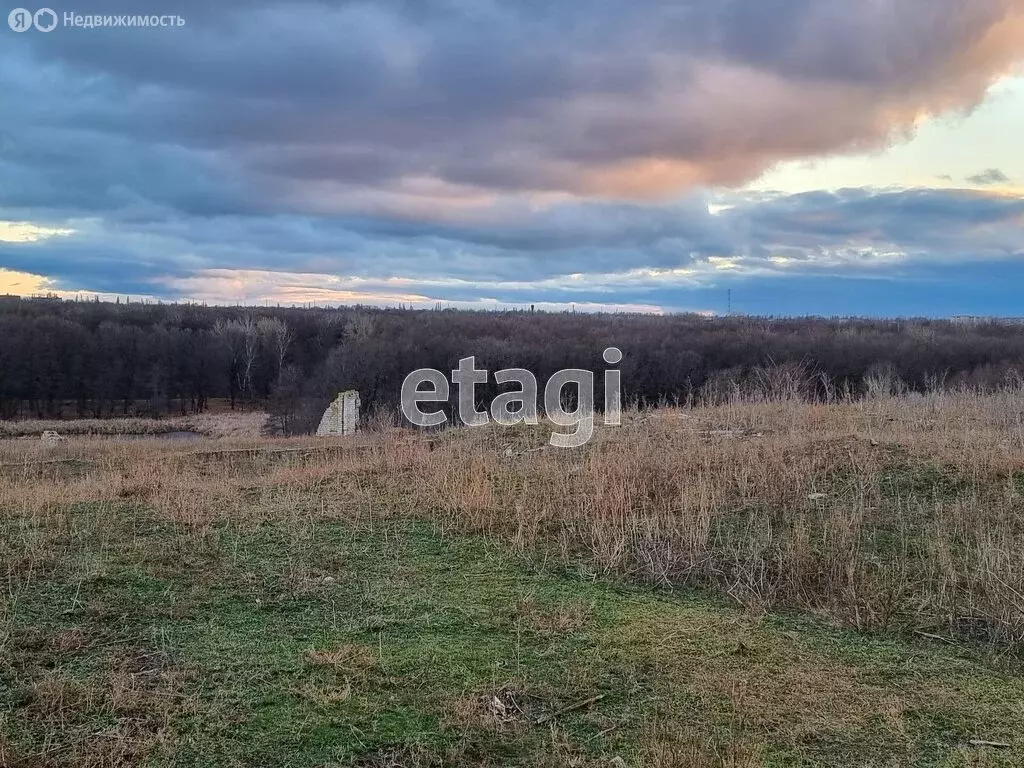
482 141
496 96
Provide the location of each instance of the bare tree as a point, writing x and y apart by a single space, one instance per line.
278 337
241 341
250 352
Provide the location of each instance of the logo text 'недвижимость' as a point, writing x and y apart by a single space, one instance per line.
47 20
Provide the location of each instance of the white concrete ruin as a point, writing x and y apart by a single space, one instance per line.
341 416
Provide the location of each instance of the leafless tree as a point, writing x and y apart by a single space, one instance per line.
278 337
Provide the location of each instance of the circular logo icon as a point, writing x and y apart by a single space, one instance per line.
45 20
20 19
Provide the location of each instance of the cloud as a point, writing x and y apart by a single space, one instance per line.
335 107
511 151
585 251
990 177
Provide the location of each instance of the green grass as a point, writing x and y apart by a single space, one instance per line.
315 644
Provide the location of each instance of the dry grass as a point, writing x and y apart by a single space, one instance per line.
888 514
348 659
283 570
559 619
891 514
235 424
135 693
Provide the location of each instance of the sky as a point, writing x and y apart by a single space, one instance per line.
775 157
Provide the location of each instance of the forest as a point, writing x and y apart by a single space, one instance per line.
74 359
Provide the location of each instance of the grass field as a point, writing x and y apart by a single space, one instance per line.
239 424
770 584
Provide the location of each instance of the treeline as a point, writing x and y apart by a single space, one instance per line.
100 359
